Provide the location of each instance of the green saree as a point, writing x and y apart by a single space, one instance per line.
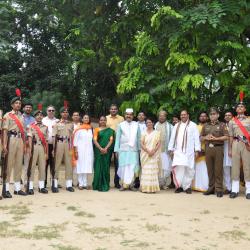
102 161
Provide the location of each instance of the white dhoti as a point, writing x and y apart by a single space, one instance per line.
227 164
201 177
227 177
166 168
183 176
126 174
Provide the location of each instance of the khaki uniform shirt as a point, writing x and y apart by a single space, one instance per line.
10 124
114 121
32 132
63 129
217 129
234 129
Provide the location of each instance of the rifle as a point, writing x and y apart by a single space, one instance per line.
5 165
30 165
53 167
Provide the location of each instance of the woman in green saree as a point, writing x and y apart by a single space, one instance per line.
104 143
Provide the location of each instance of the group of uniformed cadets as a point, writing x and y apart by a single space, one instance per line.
41 140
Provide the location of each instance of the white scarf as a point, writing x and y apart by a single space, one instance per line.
130 131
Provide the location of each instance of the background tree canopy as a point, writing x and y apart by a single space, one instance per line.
145 54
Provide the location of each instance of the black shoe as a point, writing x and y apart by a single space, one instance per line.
54 190
31 192
118 186
188 191
20 192
248 196
219 194
7 194
70 189
233 195
227 192
59 186
178 190
171 186
43 190
208 192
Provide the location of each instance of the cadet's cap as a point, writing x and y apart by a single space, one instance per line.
35 113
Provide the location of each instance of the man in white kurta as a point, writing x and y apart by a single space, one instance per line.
184 146
127 147
227 162
165 129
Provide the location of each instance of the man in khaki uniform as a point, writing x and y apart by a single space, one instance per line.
238 150
62 132
13 130
214 133
38 135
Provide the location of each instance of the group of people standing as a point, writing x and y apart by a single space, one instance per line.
147 156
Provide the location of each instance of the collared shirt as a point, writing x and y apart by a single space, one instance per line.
216 129
32 132
9 124
142 126
234 129
49 123
63 128
28 119
114 121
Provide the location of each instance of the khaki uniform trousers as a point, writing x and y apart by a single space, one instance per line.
63 155
15 158
214 161
240 153
40 160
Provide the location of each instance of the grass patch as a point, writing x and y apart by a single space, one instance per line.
71 208
17 211
185 234
162 214
195 219
84 214
154 228
116 219
235 218
234 235
134 243
62 247
205 212
39 232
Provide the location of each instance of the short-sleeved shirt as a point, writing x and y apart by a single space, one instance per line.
63 128
28 119
32 132
9 124
114 121
234 129
216 129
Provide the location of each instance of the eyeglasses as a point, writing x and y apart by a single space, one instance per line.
51 110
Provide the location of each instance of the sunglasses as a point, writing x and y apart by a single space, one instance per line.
51 110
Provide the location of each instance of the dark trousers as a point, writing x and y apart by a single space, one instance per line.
49 162
214 161
116 177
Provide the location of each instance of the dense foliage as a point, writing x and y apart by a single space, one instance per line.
141 53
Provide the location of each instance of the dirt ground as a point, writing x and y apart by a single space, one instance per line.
128 220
